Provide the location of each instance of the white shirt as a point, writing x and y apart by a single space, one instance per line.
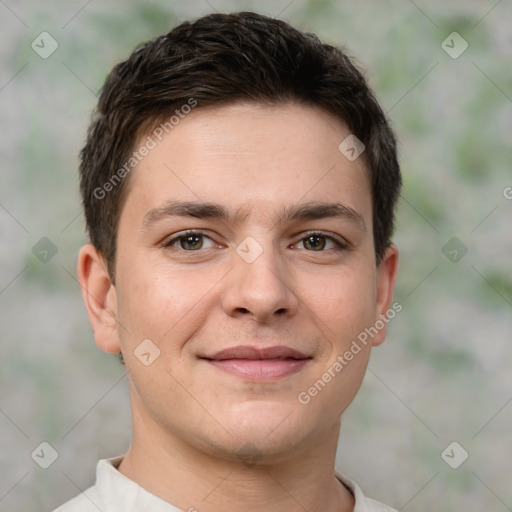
114 492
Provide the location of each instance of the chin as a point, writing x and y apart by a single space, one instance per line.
263 432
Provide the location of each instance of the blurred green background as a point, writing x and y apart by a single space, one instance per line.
445 372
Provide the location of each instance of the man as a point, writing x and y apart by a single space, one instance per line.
239 182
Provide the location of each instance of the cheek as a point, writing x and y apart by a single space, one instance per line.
162 305
344 301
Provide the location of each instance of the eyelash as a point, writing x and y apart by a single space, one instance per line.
340 246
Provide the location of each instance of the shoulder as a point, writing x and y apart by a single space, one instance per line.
363 504
369 505
87 501
92 499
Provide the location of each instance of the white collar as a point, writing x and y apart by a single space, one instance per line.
118 493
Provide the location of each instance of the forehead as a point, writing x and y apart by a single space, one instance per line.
251 157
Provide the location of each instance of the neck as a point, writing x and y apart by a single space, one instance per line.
189 478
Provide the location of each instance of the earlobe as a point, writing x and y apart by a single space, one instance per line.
386 278
100 299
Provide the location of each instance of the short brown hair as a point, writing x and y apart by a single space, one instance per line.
216 60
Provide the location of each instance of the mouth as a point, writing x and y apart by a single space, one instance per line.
259 363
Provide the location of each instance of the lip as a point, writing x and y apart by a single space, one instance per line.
254 353
257 363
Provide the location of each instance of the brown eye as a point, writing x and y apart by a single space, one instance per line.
191 242
320 242
314 242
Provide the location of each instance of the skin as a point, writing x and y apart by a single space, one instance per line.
193 424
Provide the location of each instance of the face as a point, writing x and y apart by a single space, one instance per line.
245 256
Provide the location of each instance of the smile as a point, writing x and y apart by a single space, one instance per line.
259 363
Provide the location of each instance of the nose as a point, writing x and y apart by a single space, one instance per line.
262 289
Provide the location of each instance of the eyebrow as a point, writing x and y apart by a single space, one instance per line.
208 210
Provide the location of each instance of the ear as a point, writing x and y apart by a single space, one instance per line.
100 298
386 277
